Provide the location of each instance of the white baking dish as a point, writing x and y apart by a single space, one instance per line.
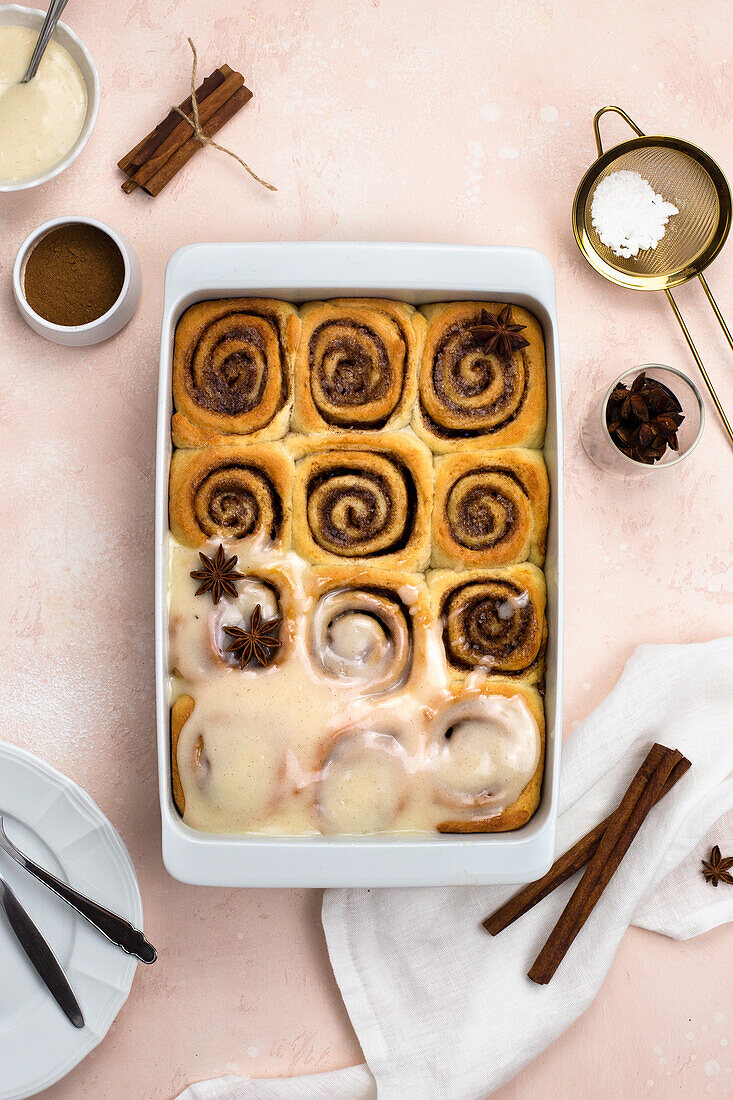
415 273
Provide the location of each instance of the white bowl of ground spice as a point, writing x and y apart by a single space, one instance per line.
76 281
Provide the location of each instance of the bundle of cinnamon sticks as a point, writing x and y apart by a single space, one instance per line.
602 849
160 156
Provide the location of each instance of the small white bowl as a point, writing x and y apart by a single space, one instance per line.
17 16
110 322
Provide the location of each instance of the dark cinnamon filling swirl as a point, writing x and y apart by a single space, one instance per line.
351 371
236 365
472 392
237 501
362 506
491 624
484 506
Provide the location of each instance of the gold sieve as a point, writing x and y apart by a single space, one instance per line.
685 175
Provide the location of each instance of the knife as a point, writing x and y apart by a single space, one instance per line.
40 954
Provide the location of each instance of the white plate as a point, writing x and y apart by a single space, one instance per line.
416 273
59 826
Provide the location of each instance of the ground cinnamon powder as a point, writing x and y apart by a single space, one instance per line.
74 274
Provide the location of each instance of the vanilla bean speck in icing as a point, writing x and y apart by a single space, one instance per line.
373 469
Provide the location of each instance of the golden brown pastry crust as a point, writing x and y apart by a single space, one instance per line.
490 509
231 491
232 370
356 364
492 619
521 810
181 711
362 499
472 400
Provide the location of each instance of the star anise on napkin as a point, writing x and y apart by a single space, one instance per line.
717 868
643 420
217 576
257 642
497 334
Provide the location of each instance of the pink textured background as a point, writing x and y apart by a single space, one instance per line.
466 122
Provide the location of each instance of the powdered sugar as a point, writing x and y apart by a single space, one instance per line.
628 215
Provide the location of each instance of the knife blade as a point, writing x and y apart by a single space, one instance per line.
40 955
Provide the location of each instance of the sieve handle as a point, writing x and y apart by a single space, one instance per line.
596 128
696 355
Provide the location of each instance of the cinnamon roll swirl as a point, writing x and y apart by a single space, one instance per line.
360 499
490 508
367 628
475 391
231 491
356 365
493 619
232 370
363 782
486 755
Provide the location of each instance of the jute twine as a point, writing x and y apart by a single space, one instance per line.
199 134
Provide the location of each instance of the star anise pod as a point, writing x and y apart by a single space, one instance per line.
643 420
218 575
497 334
717 868
257 642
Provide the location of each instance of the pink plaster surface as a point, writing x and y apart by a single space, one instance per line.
463 121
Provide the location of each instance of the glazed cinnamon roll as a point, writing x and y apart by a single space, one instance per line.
490 508
231 491
232 370
356 365
199 644
224 770
493 619
367 628
365 498
486 755
363 782
479 389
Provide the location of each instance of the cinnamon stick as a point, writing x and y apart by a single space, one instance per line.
183 154
643 792
160 156
563 868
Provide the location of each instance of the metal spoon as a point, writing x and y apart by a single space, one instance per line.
53 15
117 930
40 954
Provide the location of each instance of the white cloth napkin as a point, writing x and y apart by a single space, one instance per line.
442 1010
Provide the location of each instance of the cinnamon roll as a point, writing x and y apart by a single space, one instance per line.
493 619
486 754
232 370
490 508
356 365
367 628
478 391
360 499
237 770
231 491
199 643
363 782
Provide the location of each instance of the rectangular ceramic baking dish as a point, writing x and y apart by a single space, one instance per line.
416 273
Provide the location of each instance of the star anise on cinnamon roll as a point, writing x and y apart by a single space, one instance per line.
497 333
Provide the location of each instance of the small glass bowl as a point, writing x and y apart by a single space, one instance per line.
601 449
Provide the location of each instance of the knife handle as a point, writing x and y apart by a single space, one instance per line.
41 955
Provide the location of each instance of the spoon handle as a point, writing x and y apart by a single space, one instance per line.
118 930
53 15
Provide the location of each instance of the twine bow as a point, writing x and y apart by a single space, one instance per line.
199 134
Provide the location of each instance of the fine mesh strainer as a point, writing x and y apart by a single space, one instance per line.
686 176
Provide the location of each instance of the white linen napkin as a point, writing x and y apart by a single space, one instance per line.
442 1010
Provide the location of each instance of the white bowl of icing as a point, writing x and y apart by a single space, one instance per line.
19 16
